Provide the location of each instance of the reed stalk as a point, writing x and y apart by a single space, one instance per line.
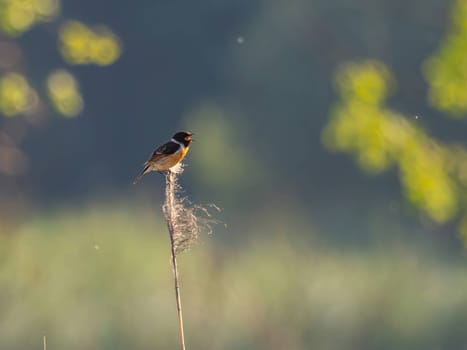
185 222
169 210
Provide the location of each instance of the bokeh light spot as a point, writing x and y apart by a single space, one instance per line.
17 16
63 91
80 44
15 94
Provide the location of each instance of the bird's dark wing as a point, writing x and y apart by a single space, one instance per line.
166 149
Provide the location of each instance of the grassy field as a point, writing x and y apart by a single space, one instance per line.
100 278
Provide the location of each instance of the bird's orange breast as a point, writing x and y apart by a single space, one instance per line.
166 162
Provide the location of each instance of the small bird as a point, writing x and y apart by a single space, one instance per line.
168 155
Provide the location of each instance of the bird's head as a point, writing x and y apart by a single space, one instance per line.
183 137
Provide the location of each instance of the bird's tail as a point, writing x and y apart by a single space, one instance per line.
145 170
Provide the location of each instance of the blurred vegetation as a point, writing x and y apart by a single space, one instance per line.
21 95
80 44
100 278
222 164
16 95
433 175
446 70
379 138
63 92
18 16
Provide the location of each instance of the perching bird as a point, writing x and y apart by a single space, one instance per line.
168 155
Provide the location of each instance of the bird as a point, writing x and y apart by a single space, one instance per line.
167 155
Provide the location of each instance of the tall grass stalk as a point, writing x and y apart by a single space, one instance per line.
170 215
185 221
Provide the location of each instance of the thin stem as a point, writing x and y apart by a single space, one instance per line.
44 343
169 204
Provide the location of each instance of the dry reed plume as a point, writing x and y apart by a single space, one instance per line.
185 221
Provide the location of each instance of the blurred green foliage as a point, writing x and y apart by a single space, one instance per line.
16 95
379 138
80 44
100 278
63 91
21 94
222 164
18 16
446 70
432 174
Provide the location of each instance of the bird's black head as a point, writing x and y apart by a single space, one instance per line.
183 137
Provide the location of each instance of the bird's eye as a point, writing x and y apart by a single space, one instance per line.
187 138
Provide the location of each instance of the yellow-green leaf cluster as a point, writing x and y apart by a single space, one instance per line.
446 70
17 16
64 94
379 138
80 44
16 95
426 180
